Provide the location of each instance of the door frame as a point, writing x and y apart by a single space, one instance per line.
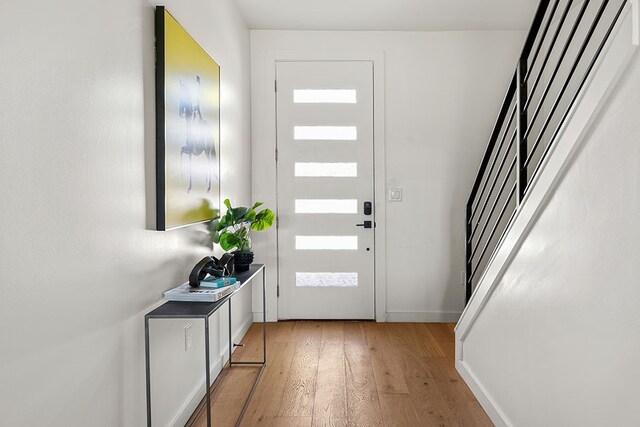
264 145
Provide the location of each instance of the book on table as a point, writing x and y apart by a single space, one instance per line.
205 293
217 282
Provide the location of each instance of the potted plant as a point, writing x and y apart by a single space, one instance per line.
233 231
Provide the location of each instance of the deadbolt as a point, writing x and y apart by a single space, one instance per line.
367 208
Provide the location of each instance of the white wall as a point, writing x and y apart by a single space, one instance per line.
79 262
550 338
442 93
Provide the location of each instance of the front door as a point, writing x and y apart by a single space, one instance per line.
325 190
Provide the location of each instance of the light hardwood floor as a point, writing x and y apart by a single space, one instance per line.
348 374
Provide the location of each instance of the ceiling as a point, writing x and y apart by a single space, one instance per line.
390 15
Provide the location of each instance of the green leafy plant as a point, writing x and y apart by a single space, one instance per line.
233 229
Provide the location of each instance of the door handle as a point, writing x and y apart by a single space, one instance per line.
366 224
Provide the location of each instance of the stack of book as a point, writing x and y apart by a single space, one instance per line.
211 289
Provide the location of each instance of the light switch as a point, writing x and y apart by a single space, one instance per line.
395 194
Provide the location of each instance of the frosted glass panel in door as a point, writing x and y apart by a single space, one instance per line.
326 206
325 96
326 280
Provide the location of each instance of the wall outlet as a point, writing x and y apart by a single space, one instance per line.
187 337
395 194
463 278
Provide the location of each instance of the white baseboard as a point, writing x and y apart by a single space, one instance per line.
493 411
423 316
402 316
191 403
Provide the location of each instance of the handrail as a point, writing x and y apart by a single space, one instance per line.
582 34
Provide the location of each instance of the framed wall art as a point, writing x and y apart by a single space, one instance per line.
187 127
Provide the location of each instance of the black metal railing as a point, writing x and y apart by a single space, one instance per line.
559 53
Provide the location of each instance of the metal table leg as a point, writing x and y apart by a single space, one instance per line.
230 339
207 367
148 369
263 363
264 315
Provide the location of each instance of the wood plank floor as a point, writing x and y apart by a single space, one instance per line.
348 374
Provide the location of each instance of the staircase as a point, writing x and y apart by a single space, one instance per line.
533 249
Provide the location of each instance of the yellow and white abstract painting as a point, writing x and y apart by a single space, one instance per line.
191 190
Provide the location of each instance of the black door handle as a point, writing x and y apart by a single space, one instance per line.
366 224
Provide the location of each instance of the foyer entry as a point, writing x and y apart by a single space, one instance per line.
325 172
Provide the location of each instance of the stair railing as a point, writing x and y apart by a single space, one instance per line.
561 48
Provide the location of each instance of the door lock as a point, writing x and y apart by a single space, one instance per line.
366 224
367 208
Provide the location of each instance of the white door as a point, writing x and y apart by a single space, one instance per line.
325 177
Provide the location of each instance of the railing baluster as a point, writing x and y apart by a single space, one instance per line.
535 28
494 182
547 88
552 44
542 37
495 203
504 110
580 86
469 258
495 227
521 148
583 47
493 164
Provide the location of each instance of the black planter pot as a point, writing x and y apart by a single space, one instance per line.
242 260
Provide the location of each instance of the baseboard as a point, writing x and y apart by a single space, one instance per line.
192 402
403 316
423 316
485 400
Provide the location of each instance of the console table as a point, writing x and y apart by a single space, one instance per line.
203 310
